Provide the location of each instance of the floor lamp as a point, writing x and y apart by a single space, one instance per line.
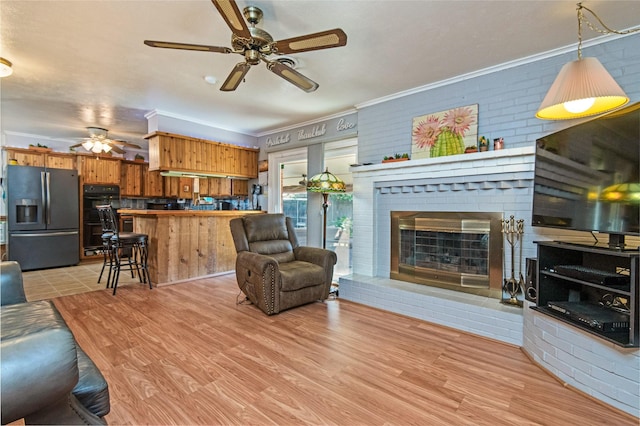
325 183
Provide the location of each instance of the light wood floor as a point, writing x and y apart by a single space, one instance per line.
187 354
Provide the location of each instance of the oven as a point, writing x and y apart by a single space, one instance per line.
92 196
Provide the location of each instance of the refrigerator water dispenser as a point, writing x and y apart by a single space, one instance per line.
26 211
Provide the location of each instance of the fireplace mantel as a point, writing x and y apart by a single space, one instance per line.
450 166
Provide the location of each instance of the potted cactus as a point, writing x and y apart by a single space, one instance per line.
395 157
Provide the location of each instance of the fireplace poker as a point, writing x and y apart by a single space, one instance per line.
513 231
520 226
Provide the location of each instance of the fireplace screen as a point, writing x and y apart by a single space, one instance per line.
452 250
448 251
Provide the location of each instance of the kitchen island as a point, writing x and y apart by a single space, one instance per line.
187 244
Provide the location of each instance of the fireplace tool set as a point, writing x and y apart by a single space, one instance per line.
513 231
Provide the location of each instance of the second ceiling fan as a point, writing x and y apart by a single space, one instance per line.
98 142
256 45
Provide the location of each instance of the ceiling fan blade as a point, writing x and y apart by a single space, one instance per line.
292 76
75 146
116 149
125 143
322 40
233 17
186 46
235 78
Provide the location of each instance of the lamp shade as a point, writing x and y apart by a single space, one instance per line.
582 88
326 182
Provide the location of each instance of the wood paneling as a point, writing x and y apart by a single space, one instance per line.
152 183
54 160
188 354
178 187
25 157
60 161
184 246
130 179
168 151
239 187
99 170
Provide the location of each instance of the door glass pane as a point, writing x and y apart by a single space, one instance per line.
293 184
340 212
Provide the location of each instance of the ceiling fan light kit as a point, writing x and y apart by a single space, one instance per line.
255 45
6 68
583 87
97 142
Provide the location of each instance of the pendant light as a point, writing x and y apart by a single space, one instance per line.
583 87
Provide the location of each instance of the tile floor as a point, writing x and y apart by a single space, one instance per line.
56 282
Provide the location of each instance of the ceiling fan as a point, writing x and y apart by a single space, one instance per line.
256 45
98 142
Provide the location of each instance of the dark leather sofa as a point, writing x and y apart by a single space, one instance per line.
275 272
46 378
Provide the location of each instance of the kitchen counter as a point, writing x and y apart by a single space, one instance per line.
187 244
219 213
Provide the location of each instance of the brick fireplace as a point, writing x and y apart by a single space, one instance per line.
495 181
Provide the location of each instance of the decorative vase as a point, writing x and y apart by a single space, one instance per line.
448 143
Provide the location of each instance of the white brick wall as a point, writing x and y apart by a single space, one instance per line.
484 181
507 101
474 314
598 368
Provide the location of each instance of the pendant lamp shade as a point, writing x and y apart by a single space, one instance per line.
581 89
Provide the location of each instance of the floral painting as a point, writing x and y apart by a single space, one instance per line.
444 133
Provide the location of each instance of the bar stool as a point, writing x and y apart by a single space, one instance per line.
129 245
107 233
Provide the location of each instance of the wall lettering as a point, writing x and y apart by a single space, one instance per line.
279 140
314 133
344 125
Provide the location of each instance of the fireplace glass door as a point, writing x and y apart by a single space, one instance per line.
447 251
461 251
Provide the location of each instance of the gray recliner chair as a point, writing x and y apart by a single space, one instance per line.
273 270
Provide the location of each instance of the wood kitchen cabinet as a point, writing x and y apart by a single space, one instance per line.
239 187
130 179
171 152
219 187
203 184
99 169
152 182
178 187
32 157
60 161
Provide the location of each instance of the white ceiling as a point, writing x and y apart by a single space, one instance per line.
83 63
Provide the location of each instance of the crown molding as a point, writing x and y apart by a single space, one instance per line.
495 68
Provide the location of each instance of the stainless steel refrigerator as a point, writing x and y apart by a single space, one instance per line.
43 215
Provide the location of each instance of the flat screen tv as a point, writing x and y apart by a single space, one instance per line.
587 177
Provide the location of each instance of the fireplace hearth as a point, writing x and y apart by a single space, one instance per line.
456 250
